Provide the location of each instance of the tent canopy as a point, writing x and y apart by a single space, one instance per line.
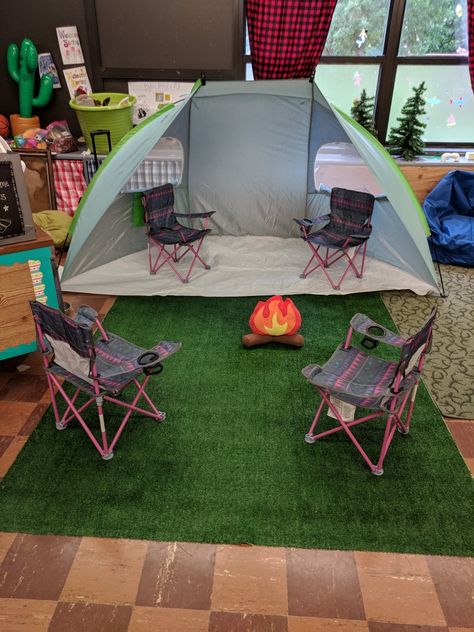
249 154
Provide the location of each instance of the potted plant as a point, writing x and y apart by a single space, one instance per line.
22 64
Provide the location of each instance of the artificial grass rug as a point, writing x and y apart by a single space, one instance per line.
230 464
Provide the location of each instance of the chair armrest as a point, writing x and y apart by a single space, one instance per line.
362 236
369 328
311 222
195 215
86 316
90 318
150 362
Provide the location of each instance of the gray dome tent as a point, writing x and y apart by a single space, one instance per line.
249 151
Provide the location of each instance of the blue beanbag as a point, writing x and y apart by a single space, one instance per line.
449 209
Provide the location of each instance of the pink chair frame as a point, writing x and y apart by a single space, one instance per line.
329 259
177 253
394 411
105 448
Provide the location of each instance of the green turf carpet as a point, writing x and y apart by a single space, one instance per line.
230 464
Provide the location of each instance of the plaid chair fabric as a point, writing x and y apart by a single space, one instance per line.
349 226
161 219
163 229
101 368
355 377
349 222
287 37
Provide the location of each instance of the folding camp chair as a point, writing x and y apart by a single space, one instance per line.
345 234
101 368
164 231
352 377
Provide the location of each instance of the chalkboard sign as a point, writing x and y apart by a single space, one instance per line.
11 217
16 222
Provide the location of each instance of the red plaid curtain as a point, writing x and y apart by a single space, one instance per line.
470 30
287 37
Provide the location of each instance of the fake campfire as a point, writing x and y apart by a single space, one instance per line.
274 320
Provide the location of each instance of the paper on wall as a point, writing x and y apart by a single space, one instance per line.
46 66
153 95
69 45
77 78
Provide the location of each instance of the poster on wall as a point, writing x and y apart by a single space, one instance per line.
69 45
154 95
77 79
46 66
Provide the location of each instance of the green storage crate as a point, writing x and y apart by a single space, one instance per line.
116 117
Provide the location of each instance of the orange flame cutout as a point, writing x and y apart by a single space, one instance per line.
275 317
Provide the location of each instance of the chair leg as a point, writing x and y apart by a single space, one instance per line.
106 452
324 263
351 263
173 257
77 414
390 428
404 426
309 436
321 264
196 257
153 265
54 403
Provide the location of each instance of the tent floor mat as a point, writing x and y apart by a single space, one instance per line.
449 374
240 266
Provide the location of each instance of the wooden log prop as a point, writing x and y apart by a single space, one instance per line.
274 320
253 340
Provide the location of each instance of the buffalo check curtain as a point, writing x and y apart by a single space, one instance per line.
287 37
470 29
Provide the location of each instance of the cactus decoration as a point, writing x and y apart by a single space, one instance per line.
22 65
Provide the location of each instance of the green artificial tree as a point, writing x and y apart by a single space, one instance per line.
362 111
406 139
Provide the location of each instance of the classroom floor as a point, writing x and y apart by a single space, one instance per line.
90 584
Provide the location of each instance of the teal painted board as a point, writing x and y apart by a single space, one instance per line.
39 261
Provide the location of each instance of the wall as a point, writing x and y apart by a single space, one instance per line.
145 40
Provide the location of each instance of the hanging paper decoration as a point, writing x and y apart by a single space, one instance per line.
459 102
458 10
451 122
357 79
433 101
362 37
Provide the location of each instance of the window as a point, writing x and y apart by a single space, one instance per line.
358 28
351 79
444 33
449 101
389 46
382 39
340 165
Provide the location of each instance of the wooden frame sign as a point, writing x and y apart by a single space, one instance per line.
16 221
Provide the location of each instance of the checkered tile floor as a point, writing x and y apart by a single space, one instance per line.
87 584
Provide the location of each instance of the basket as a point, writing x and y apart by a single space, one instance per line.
115 117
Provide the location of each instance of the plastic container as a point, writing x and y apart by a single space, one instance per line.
116 117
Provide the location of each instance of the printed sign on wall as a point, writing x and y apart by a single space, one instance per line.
70 45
